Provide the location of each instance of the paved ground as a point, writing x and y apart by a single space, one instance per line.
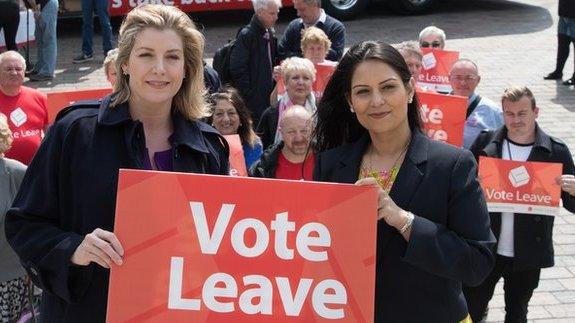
513 42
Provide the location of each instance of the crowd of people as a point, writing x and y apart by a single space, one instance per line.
438 246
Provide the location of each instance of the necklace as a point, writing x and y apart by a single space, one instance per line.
385 178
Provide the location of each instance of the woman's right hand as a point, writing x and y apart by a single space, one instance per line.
101 247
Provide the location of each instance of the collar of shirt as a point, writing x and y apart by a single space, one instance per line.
322 18
471 98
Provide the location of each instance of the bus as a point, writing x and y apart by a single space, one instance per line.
341 9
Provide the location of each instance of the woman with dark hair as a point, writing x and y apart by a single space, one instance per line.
433 226
230 116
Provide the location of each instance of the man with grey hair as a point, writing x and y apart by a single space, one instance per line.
310 13
482 113
292 157
432 36
254 55
26 108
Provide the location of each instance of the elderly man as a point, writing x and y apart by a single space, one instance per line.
482 113
25 108
525 241
290 158
253 57
432 36
310 13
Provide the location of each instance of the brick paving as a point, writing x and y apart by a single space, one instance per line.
513 42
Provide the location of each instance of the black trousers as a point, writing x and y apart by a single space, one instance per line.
518 287
9 20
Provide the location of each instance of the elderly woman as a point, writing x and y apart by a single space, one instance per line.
432 36
315 46
412 55
433 232
62 219
12 283
299 75
230 116
110 66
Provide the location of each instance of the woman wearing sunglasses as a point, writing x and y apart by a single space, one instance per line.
432 36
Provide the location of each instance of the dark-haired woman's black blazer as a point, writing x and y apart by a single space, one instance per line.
450 241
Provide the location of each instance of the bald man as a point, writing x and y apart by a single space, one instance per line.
482 113
291 158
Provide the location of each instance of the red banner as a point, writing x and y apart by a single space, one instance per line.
237 159
520 187
322 76
59 100
435 67
443 116
204 248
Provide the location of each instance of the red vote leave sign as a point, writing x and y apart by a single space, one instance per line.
204 248
520 187
443 116
59 100
435 67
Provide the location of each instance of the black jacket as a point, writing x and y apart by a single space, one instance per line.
70 190
450 244
266 166
250 69
567 8
533 242
268 126
290 44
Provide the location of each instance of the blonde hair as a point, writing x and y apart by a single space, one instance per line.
409 48
190 99
109 60
5 135
314 35
297 64
515 93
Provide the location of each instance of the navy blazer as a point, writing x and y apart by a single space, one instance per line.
450 244
533 234
70 189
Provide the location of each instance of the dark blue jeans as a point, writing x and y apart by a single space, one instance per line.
101 9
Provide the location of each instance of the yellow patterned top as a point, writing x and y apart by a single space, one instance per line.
384 178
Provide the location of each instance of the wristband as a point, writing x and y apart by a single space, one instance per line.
408 223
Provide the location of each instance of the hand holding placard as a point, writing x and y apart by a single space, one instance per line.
567 183
101 247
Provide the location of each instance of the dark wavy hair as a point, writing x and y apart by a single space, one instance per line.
336 124
246 129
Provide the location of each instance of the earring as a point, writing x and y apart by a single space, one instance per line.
410 99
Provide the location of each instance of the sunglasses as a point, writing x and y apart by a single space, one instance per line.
434 44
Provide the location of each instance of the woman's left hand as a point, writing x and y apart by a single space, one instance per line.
387 209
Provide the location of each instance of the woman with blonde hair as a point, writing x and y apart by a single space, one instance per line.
13 287
62 220
315 46
299 75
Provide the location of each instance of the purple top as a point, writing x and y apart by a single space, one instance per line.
163 160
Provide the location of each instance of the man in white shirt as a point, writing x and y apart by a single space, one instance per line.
525 242
482 113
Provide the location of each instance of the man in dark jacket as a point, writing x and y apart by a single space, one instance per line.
253 57
310 13
525 243
291 158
